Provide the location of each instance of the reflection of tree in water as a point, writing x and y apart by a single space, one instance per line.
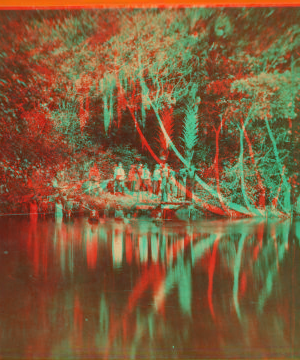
260 269
138 289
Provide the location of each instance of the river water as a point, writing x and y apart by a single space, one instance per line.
141 290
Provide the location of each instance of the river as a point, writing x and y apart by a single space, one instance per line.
141 290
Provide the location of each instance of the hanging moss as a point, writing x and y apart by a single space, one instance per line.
111 108
101 85
106 115
125 84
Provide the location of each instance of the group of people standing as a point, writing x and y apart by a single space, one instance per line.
163 182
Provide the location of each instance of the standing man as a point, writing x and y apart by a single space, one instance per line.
115 181
140 172
165 184
182 182
133 178
119 176
94 173
173 186
146 179
190 183
156 180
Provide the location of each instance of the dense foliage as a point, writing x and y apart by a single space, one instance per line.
217 88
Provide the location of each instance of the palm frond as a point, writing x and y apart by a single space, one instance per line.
190 129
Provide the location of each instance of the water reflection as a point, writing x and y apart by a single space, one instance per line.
141 289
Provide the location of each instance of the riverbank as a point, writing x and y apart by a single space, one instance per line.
131 204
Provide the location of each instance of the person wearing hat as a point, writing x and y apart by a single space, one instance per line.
190 183
119 213
156 179
173 185
182 183
146 179
133 178
115 181
140 182
165 184
119 176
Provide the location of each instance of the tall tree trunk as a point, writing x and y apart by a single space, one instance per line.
275 200
241 166
278 161
262 190
217 167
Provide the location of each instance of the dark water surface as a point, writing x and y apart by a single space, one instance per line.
115 290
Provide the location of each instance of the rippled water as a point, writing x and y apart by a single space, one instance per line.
206 289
